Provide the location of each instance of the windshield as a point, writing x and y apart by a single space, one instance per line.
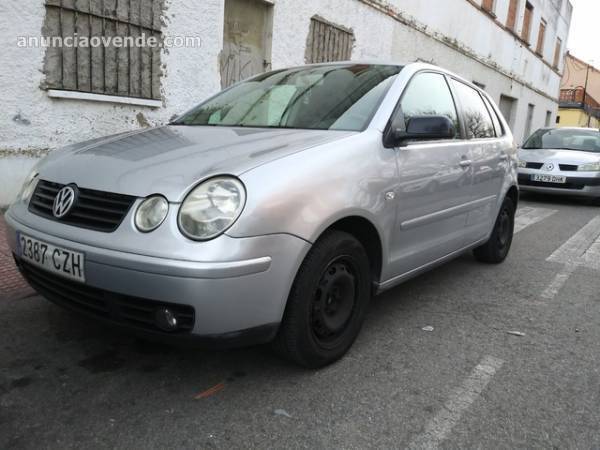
328 97
565 139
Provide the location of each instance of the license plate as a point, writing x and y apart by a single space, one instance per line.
58 260
549 178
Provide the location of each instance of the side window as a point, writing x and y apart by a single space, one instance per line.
476 116
495 119
428 94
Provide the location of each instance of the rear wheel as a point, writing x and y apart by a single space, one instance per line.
327 303
496 249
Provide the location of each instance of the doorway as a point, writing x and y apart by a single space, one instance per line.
247 35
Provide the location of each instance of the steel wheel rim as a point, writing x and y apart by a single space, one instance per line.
334 301
504 226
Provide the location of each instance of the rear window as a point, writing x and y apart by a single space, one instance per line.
477 118
495 118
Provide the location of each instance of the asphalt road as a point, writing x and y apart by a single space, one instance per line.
69 383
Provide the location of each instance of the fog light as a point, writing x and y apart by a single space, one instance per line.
166 319
151 213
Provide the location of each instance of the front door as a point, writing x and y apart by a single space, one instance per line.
435 184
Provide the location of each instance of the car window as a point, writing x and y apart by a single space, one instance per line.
477 118
428 94
581 139
495 119
323 97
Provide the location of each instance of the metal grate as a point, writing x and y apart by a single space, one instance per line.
568 167
95 210
328 42
132 311
110 70
534 165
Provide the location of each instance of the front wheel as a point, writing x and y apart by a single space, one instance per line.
327 303
496 249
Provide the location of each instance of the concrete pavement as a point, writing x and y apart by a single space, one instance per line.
472 382
12 284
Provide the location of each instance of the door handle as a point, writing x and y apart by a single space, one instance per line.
465 163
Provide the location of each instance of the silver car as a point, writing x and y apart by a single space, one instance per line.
273 211
562 161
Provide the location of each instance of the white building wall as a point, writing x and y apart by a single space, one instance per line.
453 33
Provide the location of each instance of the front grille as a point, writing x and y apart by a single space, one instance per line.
534 165
572 186
96 210
123 309
568 167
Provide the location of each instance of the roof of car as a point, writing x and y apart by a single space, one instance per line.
571 128
421 65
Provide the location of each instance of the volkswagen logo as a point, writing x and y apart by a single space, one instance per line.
548 167
64 201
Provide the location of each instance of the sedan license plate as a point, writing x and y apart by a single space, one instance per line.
558 179
58 260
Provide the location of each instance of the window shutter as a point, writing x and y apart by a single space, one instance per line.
105 69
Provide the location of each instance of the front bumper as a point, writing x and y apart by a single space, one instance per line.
576 185
238 300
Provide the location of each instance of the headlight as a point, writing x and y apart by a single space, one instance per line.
591 167
151 213
28 187
211 208
522 164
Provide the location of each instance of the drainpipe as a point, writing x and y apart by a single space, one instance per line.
587 77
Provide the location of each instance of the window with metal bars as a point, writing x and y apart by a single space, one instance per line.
328 42
115 69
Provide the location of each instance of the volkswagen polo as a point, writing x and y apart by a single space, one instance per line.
273 211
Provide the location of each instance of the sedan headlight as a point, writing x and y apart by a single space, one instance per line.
28 187
151 213
590 167
522 164
211 208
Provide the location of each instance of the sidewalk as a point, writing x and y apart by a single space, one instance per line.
12 284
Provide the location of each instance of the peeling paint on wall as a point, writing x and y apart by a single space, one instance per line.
142 121
21 120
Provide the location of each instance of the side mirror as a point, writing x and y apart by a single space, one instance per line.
425 127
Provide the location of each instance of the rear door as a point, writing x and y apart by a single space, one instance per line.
489 162
434 186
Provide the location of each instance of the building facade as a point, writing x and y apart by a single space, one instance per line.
579 95
58 95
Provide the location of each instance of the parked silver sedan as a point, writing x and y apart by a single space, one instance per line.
274 210
562 161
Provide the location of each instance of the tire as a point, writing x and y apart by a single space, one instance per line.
496 249
327 303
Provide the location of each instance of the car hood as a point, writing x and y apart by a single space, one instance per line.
170 160
574 157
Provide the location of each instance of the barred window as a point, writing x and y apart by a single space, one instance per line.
115 67
328 42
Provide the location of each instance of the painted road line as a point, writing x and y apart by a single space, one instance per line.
527 216
591 258
438 428
582 249
572 252
558 282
